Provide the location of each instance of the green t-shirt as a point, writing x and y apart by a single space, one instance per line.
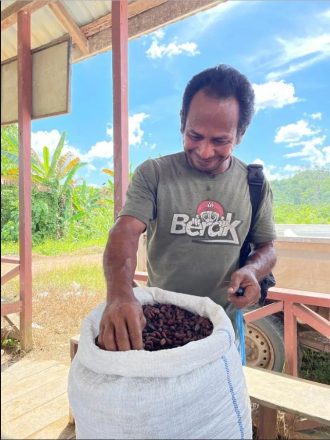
196 223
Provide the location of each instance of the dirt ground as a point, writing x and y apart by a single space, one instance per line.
57 317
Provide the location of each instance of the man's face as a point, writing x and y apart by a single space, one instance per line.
210 134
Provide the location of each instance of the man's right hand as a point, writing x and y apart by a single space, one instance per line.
121 326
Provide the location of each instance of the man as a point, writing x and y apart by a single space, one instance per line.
195 207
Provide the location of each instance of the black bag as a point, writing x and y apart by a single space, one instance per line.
256 180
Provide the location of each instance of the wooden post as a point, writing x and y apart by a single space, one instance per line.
24 74
290 339
120 100
267 423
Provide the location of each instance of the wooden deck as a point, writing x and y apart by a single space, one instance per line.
34 403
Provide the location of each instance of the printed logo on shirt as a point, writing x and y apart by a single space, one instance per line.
210 224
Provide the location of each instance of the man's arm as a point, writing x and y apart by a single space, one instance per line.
123 320
257 266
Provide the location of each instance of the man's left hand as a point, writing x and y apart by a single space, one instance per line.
246 279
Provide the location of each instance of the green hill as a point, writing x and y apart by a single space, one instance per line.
303 198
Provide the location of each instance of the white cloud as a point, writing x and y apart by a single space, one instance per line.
157 50
91 167
100 150
326 152
158 34
273 172
316 115
39 139
298 53
315 156
275 94
293 168
293 133
325 15
134 125
104 149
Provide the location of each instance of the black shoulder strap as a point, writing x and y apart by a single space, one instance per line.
255 180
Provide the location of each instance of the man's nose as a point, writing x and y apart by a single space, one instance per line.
205 150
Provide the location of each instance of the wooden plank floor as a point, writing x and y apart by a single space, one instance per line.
34 403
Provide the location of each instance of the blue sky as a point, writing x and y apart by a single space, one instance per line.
283 47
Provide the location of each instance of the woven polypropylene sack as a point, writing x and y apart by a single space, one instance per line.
197 391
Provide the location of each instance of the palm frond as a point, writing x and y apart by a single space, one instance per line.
57 154
13 142
11 156
35 159
46 159
107 171
61 164
68 167
69 177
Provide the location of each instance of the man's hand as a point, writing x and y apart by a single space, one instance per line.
121 326
245 278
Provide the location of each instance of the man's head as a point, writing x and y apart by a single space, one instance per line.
217 107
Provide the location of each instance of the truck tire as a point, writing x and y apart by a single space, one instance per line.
264 342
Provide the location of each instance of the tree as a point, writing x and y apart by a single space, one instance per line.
53 183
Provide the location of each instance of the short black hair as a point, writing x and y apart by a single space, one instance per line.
224 82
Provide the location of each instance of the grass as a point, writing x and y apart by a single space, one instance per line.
62 298
59 247
315 366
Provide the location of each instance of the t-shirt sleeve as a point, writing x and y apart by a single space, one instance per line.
142 194
264 225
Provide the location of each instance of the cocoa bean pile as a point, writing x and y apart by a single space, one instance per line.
170 326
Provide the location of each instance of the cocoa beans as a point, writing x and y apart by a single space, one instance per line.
170 326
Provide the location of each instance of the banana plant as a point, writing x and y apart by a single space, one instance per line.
57 171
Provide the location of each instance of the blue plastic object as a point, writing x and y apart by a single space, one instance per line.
241 335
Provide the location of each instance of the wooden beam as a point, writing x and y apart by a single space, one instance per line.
10 260
120 101
312 319
24 88
105 22
261 312
9 275
7 309
299 296
68 22
148 21
9 15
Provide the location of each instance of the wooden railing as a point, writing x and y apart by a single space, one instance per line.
10 307
294 305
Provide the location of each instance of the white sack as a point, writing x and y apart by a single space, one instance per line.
197 391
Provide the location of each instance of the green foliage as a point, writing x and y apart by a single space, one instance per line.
305 188
66 214
9 136
303 198
11 345
315 366
301 214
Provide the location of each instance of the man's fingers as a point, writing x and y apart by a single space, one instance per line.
135 333
122 337
107 339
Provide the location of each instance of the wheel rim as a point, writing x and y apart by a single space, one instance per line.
259 349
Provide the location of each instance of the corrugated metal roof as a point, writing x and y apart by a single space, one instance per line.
46 27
